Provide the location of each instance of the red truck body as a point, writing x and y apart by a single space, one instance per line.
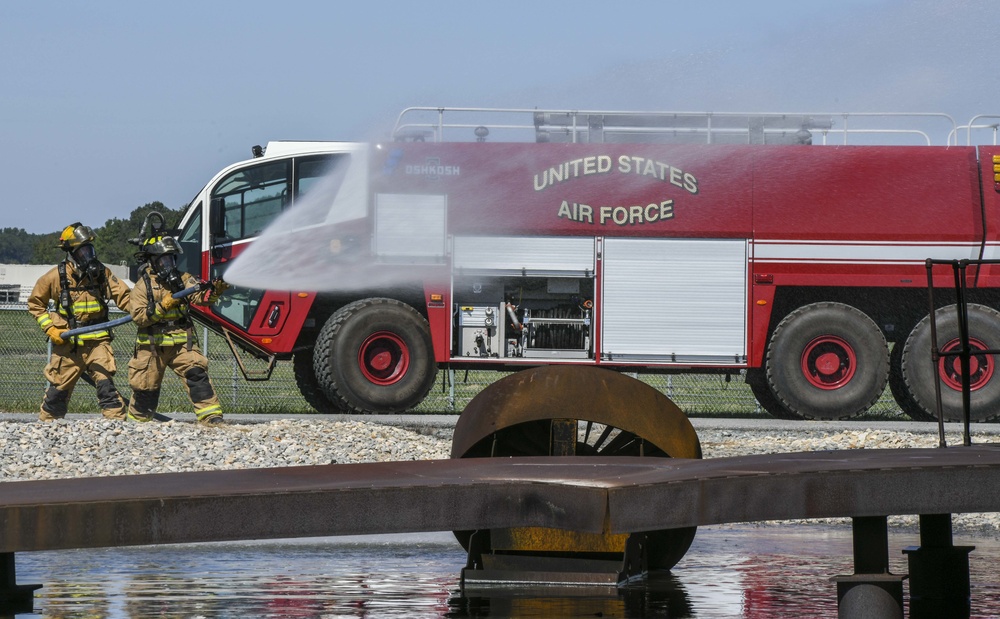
802 265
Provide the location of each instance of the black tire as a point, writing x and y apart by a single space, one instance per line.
919 375
305 379
898 387
757 380
375 356
827 361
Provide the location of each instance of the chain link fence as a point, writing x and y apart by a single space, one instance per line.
24 351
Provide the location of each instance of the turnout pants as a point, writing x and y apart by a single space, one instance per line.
94 361
145 375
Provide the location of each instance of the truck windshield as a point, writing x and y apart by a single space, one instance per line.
250 199
190 241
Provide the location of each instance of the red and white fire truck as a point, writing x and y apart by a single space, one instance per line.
642 242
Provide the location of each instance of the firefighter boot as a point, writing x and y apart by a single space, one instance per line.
112 405
206 403
142 405
211 420
54 404
210 416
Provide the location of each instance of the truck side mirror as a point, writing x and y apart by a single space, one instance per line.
216 218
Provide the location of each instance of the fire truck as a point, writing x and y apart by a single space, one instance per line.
788 248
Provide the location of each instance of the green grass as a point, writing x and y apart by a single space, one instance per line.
23 356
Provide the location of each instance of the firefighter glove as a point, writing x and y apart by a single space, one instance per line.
169 303
214 291
55 334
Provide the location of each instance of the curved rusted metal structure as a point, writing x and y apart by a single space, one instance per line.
575 411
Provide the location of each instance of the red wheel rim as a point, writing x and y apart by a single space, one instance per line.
829 362
384 358
980 366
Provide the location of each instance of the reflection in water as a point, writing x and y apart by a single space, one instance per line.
661 596
749 572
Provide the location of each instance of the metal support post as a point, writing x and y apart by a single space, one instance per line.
562 437
871 592
962 307
939 571
14 598
934 352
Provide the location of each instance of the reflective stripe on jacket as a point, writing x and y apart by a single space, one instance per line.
159 327
86 307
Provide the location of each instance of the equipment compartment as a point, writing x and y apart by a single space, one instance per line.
523 317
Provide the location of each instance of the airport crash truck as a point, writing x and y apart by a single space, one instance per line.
661 243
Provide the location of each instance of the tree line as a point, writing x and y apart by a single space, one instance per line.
18 246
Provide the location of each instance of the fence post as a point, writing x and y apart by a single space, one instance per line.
451 389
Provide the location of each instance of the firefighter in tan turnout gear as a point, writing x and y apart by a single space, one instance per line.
80 287
165 334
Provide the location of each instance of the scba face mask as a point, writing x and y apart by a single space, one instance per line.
85 258
165 267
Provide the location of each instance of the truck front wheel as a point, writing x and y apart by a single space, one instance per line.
919 375
375 356
827 361
305 379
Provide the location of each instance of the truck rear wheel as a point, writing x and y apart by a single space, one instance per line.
918 371
900 392
827 361
757 380
375 356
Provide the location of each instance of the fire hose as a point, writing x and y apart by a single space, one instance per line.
124 319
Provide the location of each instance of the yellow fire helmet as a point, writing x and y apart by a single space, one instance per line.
160 245
75 235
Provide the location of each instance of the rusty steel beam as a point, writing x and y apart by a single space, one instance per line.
584 494
306 501
826 484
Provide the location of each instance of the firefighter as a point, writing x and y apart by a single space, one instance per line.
165 334
80 288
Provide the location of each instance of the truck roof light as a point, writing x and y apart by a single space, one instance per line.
257 151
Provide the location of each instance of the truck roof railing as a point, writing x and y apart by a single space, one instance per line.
976 125
466 124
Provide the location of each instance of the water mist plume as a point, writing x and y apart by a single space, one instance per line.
321 243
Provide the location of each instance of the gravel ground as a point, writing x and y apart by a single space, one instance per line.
87 445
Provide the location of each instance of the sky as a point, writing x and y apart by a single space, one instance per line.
108 105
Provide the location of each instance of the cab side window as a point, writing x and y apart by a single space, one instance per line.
251 198
309 171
